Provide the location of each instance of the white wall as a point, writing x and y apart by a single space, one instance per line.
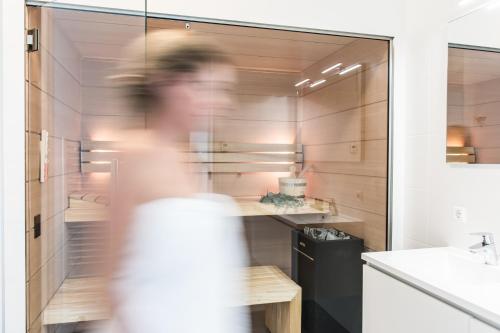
431 195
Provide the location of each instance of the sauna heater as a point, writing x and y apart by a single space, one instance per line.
330 274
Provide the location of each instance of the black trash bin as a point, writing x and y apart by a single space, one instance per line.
330 274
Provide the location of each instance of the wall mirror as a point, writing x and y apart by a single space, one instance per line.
473 116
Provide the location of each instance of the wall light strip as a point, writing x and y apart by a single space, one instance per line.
350 68
331 68
317 83
302 82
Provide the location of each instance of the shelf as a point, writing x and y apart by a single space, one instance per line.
250 206
77 300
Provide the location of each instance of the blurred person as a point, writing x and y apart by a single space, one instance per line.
175 251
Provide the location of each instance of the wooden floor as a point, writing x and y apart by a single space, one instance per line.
81 299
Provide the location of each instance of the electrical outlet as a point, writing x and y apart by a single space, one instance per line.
460 214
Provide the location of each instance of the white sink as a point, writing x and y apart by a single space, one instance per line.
452 266
456 276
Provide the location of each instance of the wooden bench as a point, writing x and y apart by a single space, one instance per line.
283 298
82 299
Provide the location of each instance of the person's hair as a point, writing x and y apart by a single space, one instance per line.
160 57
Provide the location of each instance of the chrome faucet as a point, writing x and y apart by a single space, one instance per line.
486 247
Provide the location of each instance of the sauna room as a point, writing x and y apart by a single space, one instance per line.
303 152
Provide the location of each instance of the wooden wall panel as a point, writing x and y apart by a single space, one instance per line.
56 151
367 52
254 131
269 242
103 101
105 114
475 107
53 103
264 108
361 192
249 184
372 162
343 127
373 229
267 82
482 92
71 159
34 204
97 72
35 287
367 87
476 115
33 156
59 119
34 106
375 124
334 152
109 128
333 128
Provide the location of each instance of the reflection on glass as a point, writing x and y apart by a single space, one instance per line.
298 137
473 132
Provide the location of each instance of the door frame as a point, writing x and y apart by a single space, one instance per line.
12 168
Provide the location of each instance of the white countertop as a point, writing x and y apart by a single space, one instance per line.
455 276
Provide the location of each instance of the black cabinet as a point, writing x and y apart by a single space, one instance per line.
330 274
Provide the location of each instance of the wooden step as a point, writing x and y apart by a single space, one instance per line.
74 215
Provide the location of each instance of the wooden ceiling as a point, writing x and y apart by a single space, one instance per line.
100 35
268 60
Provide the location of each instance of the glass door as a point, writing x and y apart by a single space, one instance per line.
70 61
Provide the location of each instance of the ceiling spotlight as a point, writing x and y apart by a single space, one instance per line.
350 68
331 68
317 83
302 82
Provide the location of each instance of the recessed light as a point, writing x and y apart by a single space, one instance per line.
317 83
302 82
350 68
331 68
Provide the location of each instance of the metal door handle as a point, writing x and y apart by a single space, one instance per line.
304 254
